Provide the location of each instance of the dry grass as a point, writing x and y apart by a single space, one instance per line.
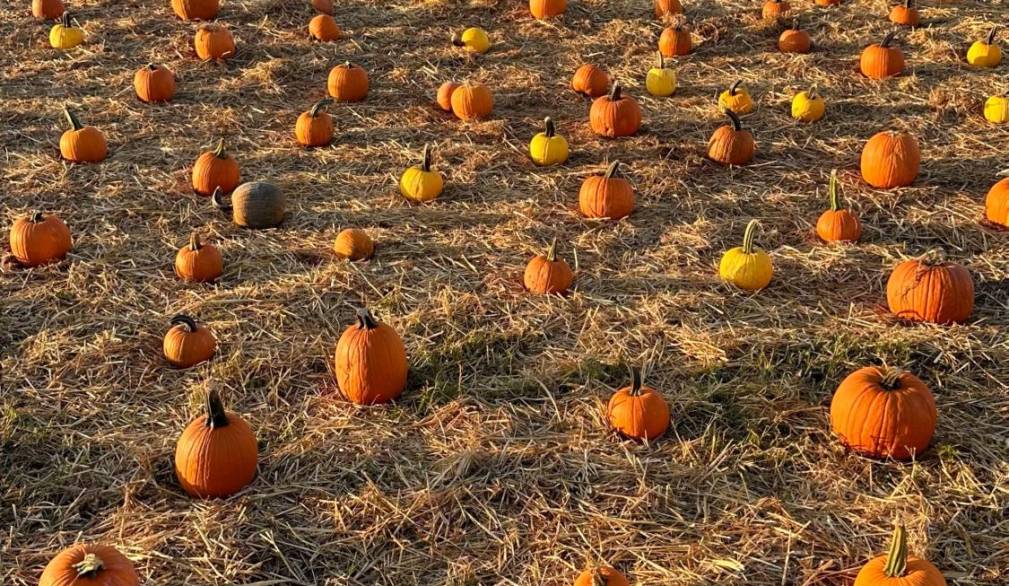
496 467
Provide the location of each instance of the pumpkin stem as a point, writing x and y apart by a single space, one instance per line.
75 122
748 235
152 67
891 378
194 241
185 320
909 4
319 106
89 566
457 39
552 250
888 39
365 320
834 192
615 92
598 579
218 199
737 124
636 381
811 92
735 86
65 20
896 556
549 129
611 171
425 164
795 23
348 64
38 217
990 39
216 416
932 258
661 60
219 151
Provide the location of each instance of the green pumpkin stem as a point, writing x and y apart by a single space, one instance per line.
218 198
194 241
615 93
888 39
37 217
834 192
219 152
365 320
737 124
735 86
425 164
89 566
611 171
75 122
896 556
549 129
552 250
319 106
748 235
216 416
990 39
185 320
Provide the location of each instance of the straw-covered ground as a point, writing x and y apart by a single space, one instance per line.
496 466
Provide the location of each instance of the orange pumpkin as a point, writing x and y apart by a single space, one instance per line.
215 169
590 81
547 8
897 568
881 60
930 290
675 41
472 101
39 239
615 115
323 6
322 27
353 244
731 144
774 9
154 83
348 83
606 196
89 565
827 2
996 203
314 127
198 262
601 576
794 40
546 274
217 453
196 9
82 144
187 343
838 224
47 9
214 41
665 8
905 14
637 411
444 98
371 364
890 159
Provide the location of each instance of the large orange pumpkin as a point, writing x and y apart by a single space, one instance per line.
214 41
601 576
905 14
196 9
89 565
996 203
370 361
930 290
881 60
897 568
323 28
667 8
39 239
547 8
615 115
217 454
590 81
188 343
546 274
314 128
472 101
890 159
198 262
731 144
675 41
637 411
348 83
82 144
154 83
774 9
607 195
47 9
215 169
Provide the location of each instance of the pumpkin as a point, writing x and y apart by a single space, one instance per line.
736 98
314 128
905 14
615 115
601 576
473 39
675 41
996 109
154 83
89 565
444 98
256 204
637 411
985 53
198 262
353 244
187 343
47 9
548 147
607 195
215 170
744 266
323 6
794 40
930 290
731 144
546 274
827 2
590 81
370 359
63 35
881 60
890 159
216 455
82 144
897 568
661 80
348 83
665 8
774 9
547 8
838 224
472 101
39 239
323 28
213 41
808 106
883 413
996 203
419 183
196 9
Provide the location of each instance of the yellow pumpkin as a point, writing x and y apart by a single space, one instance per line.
548 147
65 36
985 53
744 266
419 183
473 39
996 109
661 80
736 99
808 106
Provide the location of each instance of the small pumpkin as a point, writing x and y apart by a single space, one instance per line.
637 411
747 267
794 40
808 106
985 53
664 8
736 98
154 83
353 244
188 343
323 28
731 144
601 576
607 195
256 204
473 39
370 361
590 81
826 3
217 454
89 565
774 9
548 147
615 115
419 183
838 224
996 203
444 97
883 413
314 128
47 9
323 6
661 80
214 41
547 8
897 568
82 144
546 274
881 60
64 35
472 101
675 41
930 290
215 170
198 262
996 109
905 14
890 159
196 9
348 82
39 239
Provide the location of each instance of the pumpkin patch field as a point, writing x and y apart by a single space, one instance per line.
502 292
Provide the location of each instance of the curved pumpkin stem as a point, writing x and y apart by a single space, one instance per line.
888 39
896 556
795 23
457 39
549 129
194 241
89 566
75 122
218 198
735 86
636 381
891 378
990 39
737 124
319 106
552 250
834 192
425 164
37 217
811 93
909 4
748 235
365 320
661 61
615 92
216 416
65 20
185 320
